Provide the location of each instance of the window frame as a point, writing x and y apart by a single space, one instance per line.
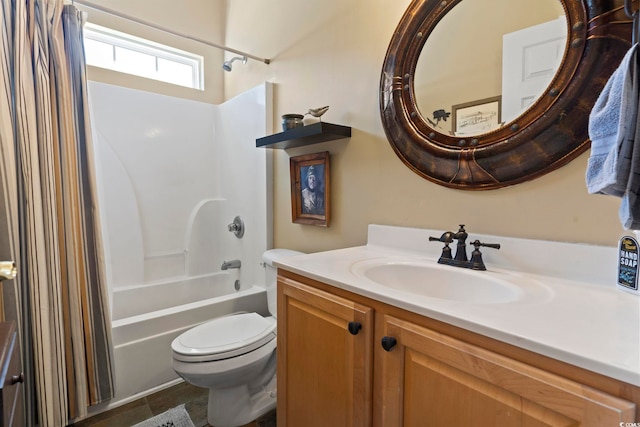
158 51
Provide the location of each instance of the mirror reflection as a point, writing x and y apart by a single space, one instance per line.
487 61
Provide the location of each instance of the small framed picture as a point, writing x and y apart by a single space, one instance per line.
476 117
310 189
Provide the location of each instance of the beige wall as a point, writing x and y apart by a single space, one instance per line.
330 52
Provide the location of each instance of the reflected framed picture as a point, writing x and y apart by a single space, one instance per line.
310 189
476 117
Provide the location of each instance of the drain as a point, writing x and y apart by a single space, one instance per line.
237 285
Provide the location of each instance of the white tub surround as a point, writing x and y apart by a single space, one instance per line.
173 174
565 303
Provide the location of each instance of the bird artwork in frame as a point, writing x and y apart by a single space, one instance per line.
310 189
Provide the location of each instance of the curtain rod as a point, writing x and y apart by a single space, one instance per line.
166 30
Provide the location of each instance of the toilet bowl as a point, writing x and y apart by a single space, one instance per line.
235 358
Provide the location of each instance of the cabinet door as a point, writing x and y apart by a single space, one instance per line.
11 399
324 368
430 379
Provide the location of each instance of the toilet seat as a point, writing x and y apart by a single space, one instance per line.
224 337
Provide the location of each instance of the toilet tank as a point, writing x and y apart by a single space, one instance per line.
270 273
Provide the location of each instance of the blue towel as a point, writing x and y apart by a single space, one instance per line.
612 128
630 207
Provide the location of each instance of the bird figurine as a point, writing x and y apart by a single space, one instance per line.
317 112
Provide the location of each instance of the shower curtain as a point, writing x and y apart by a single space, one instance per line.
50 211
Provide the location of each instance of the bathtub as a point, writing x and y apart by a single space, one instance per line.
142 340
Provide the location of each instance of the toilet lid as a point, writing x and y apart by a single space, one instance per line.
226 337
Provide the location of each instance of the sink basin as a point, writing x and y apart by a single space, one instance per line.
439 281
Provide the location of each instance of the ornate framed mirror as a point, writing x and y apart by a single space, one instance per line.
501 136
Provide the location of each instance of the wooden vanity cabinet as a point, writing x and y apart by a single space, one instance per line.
431 376
430 373
325 346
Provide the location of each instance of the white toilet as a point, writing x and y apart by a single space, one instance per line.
235 358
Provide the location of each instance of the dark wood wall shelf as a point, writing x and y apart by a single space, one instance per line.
305 135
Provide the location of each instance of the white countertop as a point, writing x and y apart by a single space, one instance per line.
575 314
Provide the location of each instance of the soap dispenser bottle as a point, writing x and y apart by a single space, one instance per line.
628 257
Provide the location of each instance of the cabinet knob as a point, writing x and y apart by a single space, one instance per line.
388 343
15 379
354 327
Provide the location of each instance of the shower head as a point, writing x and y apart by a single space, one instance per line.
227 64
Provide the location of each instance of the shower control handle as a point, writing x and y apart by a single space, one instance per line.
237 227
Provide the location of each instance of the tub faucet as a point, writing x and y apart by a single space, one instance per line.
230 264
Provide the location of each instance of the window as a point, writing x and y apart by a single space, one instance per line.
107 48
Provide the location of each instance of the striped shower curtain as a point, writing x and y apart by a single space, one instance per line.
47 173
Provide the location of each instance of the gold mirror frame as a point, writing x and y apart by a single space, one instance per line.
551 133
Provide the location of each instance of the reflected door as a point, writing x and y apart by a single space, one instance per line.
530 59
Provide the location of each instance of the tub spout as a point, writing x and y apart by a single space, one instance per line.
230 264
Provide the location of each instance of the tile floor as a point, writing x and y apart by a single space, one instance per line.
194 398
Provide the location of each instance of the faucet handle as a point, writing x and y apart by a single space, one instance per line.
446 238
477 244
476 256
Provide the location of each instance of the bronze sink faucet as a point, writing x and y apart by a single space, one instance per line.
460 259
